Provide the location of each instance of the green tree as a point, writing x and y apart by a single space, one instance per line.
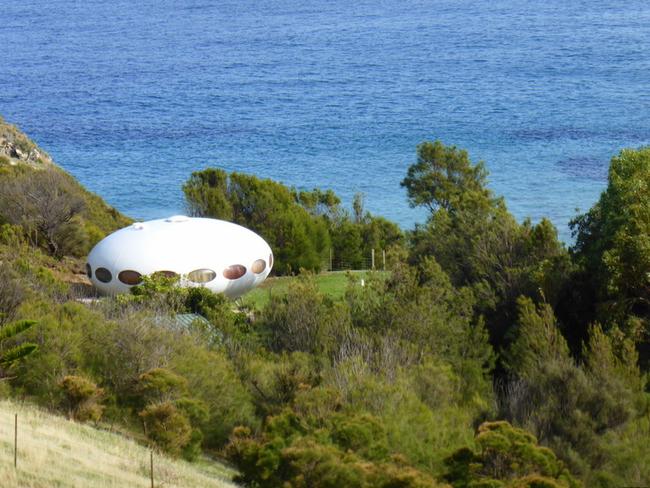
571 407
298 238
347 245
206 194
443 177
476 240
613 251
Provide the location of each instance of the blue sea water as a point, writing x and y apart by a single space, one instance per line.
131 97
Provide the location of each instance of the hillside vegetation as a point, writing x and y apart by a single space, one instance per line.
486 355
53 451
53 209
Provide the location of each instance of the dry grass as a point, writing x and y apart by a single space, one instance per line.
55 452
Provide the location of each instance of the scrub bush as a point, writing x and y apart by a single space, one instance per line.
82 398
167 427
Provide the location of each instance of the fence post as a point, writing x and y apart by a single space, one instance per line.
372 258
15 440
331 269
151 458
383 257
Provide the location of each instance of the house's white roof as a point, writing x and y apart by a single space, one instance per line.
182 244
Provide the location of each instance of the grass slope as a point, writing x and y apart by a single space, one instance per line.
332 284
55 452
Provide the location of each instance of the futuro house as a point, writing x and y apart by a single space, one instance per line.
222 256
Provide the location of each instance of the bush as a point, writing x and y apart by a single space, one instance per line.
289 454
507 456
159 385
12 293
167 427
45 202
82 398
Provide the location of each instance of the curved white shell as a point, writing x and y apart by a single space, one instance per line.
182 244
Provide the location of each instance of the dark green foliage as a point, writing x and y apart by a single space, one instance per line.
538 340
476 241
347 245
299 240
506 456
613 251
443 177
198 414
10 351
206 194
422 311
303 451
276 382
571 407
82 398
302 227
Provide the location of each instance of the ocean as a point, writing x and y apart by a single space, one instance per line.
131 97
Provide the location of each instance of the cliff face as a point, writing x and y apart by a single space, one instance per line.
17 148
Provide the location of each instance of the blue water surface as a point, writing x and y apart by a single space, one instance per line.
131 97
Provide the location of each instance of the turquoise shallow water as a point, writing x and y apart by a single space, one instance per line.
132 98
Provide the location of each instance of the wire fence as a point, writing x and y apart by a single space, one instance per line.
373 260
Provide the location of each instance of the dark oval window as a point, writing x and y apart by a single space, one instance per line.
271 260
235 271
103 275
165 274
130 277
258 266
202 275
89 271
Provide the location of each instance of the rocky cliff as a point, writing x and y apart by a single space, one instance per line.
17 148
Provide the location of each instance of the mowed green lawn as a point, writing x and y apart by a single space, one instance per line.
332 283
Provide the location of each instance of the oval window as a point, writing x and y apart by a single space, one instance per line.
103 275
202 275
258 266
235 271
165 274
271 260
89 271
130 277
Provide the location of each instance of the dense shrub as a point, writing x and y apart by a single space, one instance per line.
82 398
507 457
167 427
476 241
613 252
12 293
292 453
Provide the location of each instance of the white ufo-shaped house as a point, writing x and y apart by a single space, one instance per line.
222 256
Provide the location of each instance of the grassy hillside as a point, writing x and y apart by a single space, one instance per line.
53 451
332 284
